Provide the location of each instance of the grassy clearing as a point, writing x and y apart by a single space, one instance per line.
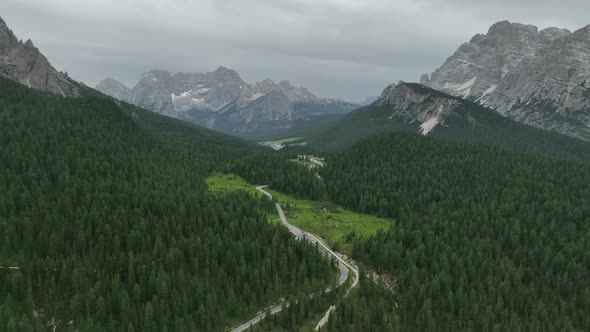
331 222
219 183
222 183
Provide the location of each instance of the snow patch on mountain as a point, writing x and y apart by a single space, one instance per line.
256 96
182 95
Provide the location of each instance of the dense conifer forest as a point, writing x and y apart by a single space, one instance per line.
484 239
106 223
281 172
371 307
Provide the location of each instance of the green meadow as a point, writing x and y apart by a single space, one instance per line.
331 222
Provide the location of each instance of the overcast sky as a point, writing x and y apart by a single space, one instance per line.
337 48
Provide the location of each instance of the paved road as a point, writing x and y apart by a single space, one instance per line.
344 267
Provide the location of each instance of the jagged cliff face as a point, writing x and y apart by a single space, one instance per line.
551 90
24 63
222 100
536 77
413 103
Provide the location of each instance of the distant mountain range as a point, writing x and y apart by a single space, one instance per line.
494 90
540 78
24 63
221 100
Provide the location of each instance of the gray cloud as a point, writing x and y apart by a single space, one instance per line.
338 48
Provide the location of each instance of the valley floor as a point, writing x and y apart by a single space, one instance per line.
334 224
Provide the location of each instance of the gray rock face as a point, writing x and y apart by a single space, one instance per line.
222 100
551 90
414 103
153 92
115 89
24 63
536 77
425 79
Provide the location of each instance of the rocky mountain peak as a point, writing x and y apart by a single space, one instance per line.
425 79
583 32
112 87
156 74
535 77
285 85
112 81
504 28
554 33
29 44
267 82
417 103
403 93
4 28
227 74
8 40
26 64
478 67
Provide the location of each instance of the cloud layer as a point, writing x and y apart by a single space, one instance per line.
338 48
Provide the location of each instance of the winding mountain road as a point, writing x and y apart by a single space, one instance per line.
345 269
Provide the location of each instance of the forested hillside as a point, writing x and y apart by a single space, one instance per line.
467 122
106 224
370 308
281 173
484 239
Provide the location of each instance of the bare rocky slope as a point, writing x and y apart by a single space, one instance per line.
540 78
23 62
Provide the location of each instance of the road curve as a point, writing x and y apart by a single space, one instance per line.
344 267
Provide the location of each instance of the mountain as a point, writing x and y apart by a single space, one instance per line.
415 108
221 100
540 78
369 100
23 62
115 89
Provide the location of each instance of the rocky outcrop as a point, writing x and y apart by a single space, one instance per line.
551 90
415 103
23 62
536 77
